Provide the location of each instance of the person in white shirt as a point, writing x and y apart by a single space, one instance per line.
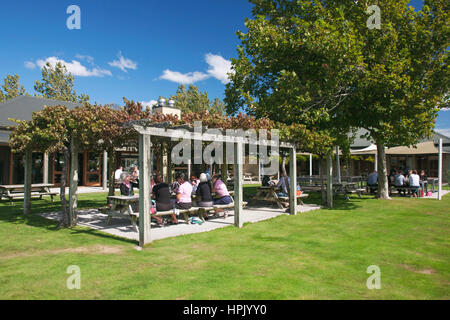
118 172
399 181
414 183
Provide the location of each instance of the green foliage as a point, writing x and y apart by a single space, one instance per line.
316 63
11 88
192 100
58 84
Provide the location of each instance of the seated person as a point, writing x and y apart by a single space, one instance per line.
283 185
117 174
162 196
423 181
194 182
204 193
220 188
184 193
126 187
372 181
399 181
414 183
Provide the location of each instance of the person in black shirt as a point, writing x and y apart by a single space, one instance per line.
126 187
204 192
162 197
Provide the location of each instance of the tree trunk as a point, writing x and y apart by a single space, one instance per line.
383 187
112 171
283 164
64 219
73 183
28 157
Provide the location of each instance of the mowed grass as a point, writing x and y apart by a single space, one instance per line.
322 254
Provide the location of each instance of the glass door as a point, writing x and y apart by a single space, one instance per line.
58 164
92 168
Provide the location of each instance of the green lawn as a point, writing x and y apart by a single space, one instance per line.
323 254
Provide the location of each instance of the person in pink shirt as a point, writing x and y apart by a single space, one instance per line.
221 190
184 192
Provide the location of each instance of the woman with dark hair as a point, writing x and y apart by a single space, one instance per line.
162 197
184 192
424 181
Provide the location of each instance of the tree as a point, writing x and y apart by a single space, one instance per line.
192 100
11 88
316 62
58 129
58 84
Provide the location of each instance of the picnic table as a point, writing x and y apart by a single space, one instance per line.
12 191
123 205
269 193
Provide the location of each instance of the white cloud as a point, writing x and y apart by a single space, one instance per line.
150 103
219 67
30 65
75 67
87 58
183 78
123 63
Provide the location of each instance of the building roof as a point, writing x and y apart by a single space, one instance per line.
22 108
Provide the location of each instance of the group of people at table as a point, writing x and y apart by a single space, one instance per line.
404 180
183 190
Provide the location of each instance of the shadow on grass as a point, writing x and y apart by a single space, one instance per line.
14 214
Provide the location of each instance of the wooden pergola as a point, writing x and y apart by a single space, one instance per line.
185 132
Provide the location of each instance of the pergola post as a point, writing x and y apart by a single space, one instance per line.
27 188
310 164
376 162
105 170
440 171
238 188
73 181
293 181
338 165
145 167
45 168
329 180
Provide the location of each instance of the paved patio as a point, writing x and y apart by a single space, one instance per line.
121 227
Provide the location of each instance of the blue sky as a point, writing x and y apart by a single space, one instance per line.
133 49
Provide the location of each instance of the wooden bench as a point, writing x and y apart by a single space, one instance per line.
300 197
18 191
